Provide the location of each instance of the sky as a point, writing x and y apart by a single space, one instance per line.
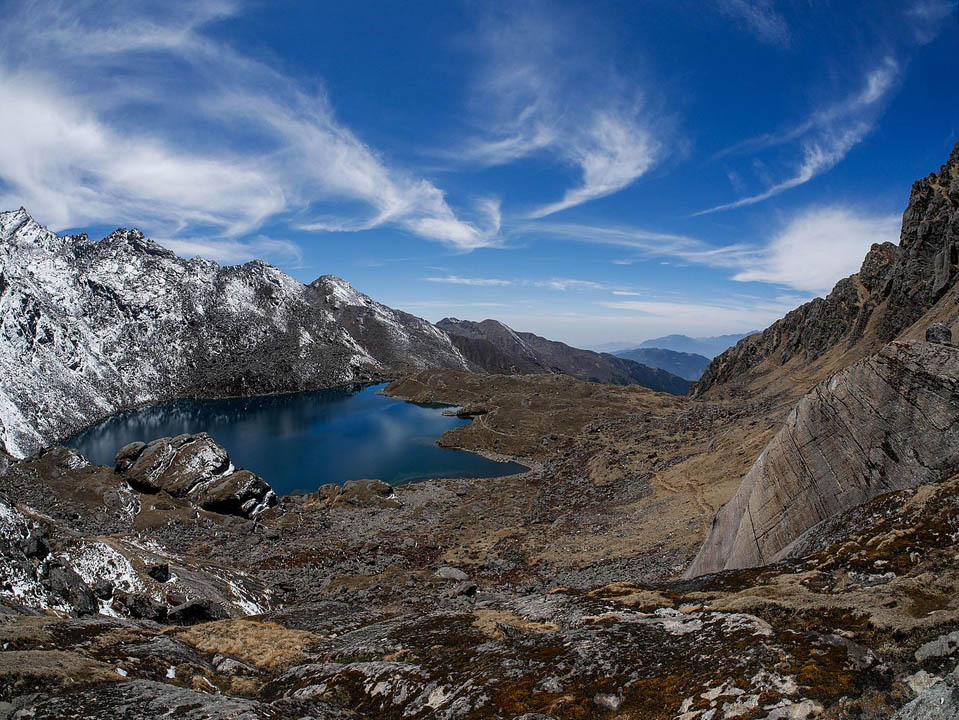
595 172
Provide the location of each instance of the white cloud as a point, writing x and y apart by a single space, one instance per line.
818 157
927 16
646 243
568 284
476 282
825 137
815 248
818 247
627 293
150 121
545 91
702 317
760 18
231 252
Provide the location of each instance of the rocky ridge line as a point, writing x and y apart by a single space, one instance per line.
495 347
892 290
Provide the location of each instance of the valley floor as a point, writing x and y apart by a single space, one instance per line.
549 594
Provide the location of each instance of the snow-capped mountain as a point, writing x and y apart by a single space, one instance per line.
90 328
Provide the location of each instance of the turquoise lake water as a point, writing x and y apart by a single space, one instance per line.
301 441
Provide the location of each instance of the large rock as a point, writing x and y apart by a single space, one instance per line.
197 468
65 582
176 465
886 423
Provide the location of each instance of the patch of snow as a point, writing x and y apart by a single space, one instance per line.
100 561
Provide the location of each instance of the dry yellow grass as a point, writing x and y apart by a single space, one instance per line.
488 622
265 645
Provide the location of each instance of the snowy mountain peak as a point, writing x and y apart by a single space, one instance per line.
340 291
136 241
88 329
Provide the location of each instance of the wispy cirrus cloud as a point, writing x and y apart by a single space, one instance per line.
825 137
230 252
926 18
759 17
544 90
473 281
151 120
555 283
645 243
564 284
810 252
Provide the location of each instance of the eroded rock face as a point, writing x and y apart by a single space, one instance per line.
887 423
892 290
197 468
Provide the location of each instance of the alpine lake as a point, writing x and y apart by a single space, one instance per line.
300 441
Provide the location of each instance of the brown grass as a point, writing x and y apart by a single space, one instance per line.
265 645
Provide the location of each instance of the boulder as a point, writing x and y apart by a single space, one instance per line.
240 493
451 573
142 607
195 612
65 582
159 571
886 423
939 333
194 467
103 589
175 465
362 493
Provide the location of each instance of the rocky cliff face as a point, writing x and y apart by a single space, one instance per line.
89 328
893 289
496 348
886 423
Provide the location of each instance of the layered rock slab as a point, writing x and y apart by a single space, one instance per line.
886 423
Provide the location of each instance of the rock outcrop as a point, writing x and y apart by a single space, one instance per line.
892 290
197 468
91 328
494 347
886 423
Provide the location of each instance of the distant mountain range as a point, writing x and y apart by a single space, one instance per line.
708 347
496 348
686 365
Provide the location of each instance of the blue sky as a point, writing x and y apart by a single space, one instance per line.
593 172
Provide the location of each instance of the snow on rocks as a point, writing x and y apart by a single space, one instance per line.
197 468
91 328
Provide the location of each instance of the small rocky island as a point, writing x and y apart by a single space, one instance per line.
782 544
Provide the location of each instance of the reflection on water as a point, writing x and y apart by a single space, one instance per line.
299 442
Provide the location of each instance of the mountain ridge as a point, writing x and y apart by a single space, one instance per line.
91 328
689 366
495 347
895 287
